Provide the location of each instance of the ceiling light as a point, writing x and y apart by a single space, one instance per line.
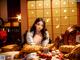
32 5
47 13
65 10
65 17
56 3
73 11
57 26
46 4
19 17
64 3
47 20
57 19
56 11
32 12
39 4
72 2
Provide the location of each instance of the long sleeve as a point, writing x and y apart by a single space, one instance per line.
46 41
29 38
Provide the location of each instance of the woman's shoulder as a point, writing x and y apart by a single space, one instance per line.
46 31
30 33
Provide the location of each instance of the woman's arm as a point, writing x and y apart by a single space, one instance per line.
46 41
29 38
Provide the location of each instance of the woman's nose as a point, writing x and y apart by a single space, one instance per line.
40 26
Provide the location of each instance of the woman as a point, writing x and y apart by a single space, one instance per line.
38 35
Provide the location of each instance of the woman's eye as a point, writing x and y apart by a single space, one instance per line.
39 24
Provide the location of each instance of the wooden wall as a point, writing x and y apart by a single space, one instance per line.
78 12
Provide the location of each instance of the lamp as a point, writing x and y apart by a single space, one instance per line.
19 17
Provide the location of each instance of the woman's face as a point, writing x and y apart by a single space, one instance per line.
39 26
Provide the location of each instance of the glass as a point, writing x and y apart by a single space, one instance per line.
45 49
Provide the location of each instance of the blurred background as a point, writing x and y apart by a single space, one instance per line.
19 15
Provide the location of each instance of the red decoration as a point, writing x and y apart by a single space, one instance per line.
60 56
3 35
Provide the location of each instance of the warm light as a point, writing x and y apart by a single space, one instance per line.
32 5
56 3
19 17
47 13
39 4
64 3
47 20
65 10
3 29
46 4
32 12
72 2
70 29
57 19
57 26
73 11
65 17
56 11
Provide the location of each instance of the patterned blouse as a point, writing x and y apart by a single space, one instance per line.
37 38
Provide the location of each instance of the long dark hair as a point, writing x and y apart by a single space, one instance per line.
33 28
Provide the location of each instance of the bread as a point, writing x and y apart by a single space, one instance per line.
31 48
66 48
12 47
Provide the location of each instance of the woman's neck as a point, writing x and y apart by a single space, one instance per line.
38 32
